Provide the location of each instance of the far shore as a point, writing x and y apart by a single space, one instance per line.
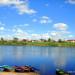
38 43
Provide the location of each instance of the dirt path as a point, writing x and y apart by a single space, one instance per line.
12 73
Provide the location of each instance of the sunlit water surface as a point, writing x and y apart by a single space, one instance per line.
46 59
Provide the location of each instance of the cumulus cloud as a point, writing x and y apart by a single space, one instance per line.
45 36
45 17
40 36
22 8
8 37
65 32
35 36
2 28
70 36
61 31
70 1
18 31
26 24
20 5
21 34
54 33
7 2
60 26
42 20
45 20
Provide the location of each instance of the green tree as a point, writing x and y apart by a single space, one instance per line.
60 40
15 39
2 39
49 40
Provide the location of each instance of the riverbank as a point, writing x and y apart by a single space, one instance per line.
54 44
14 73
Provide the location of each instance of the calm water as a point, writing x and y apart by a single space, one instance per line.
46 59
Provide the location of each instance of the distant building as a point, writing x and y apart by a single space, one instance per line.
26 40
71 41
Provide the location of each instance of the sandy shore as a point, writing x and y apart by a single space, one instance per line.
13 73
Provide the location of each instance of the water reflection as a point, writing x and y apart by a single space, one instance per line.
59 56
1 54
42 57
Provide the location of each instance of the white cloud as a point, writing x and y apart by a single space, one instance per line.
45 20
2 28
25 9
45 36
8 37
45 17
21 34
42 20
17 30
70 1
7 2
60 26
40 36
26 24
65 32
35 36
61 31
54 33
21 6
70 36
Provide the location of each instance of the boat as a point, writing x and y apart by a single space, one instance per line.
24 69
20 69
61 72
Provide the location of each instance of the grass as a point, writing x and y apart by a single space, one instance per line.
55 44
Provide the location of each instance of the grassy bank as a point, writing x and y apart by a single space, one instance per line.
55 44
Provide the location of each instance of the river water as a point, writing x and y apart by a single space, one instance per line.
45 59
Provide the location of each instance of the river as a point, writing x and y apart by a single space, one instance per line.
45 59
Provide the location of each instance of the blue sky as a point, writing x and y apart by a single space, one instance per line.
35 19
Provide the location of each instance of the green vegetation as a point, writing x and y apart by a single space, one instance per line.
55 44
63 44
43 42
